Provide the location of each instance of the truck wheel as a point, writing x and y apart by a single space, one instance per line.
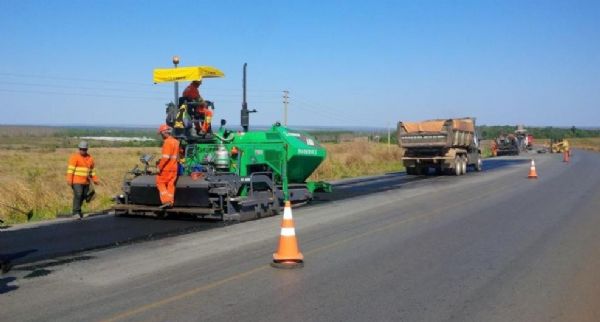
457 165
464 164
479 164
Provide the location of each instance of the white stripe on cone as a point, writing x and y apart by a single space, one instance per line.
287 232
287 213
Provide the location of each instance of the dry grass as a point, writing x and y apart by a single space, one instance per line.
34 180
591 144
352 159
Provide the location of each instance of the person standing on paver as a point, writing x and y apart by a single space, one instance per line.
79 171
167 167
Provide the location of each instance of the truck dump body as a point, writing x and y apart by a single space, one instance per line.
441 144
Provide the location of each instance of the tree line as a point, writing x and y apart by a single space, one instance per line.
548 132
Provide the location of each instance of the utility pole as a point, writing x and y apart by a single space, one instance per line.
389 135
285 106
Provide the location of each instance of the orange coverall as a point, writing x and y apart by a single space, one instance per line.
167 170
191 92
206 114
80 169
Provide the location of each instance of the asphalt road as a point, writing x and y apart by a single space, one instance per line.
39 241
490 246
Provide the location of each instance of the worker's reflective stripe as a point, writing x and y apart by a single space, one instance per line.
79 171
288 232
169 156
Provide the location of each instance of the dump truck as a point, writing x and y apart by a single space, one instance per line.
230 175
446 146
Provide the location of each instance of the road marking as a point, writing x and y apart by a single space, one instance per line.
185 294
239 276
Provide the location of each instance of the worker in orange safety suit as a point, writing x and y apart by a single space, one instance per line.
79 172
167 167
192 92
205 115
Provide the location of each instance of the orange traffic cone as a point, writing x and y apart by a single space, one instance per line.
532 172
288 254
566 156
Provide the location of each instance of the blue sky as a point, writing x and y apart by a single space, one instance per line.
345 63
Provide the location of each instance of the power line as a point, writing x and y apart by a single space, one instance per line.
116 96
340 119
364 116
77 94
77 87
68 78
119 89
75 79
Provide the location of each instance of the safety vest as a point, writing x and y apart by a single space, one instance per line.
80 169
170 154
183 119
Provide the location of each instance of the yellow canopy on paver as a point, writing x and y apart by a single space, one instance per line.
162 75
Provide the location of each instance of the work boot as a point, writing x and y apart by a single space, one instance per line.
78 216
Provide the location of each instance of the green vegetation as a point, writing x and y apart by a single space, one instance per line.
548 132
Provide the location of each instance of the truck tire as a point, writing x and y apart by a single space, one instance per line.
457 165
464 164
479 164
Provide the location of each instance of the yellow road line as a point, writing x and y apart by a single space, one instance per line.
185 294
209 286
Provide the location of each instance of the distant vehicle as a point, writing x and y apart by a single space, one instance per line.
523 138
529 141
448 146
506 145
559 146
